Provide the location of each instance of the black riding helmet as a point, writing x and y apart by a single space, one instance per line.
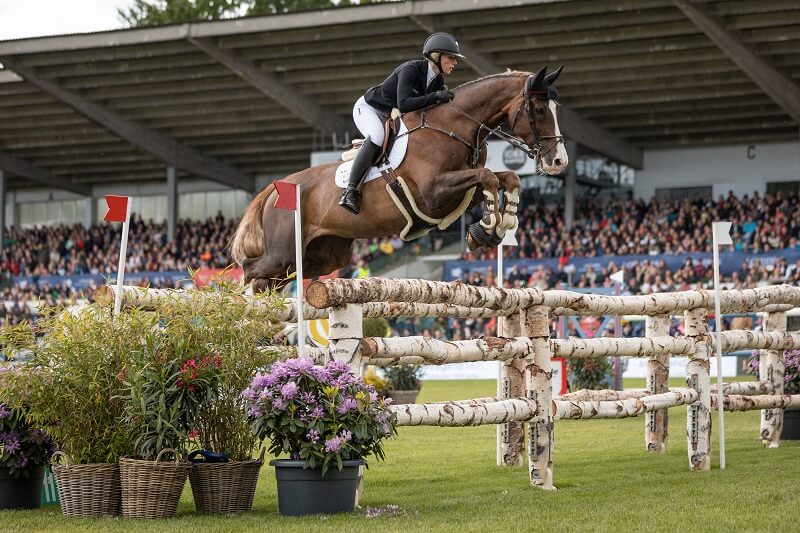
443 43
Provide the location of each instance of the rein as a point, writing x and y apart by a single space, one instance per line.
477 147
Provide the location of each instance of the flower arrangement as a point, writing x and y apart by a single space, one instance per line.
403 377
318 414
71 377
589 373
791 374
239 331
23 447
167 384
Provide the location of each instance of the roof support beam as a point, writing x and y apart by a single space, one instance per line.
267 23
32 172
581 130
780 88
305 108
152 142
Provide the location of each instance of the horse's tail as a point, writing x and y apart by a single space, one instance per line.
248 241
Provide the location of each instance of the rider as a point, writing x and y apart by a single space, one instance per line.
414 85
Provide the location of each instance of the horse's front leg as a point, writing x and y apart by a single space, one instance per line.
449 186
511 184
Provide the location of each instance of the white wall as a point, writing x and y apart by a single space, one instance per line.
725 168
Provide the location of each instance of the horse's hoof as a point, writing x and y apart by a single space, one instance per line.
481 238
471 244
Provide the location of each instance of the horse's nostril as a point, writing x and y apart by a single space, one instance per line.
558 162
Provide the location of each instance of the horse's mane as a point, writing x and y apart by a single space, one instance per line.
506 74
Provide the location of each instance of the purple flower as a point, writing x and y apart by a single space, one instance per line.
11 444
347 436
278 404
5 412
255 411
317 412
347 405
308 397
313 435
333 444
289 391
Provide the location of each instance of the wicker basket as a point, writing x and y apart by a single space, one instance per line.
225 488
87 490
152 489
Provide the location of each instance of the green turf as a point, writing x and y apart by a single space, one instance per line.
445 479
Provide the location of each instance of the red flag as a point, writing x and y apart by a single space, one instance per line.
287 195
117 208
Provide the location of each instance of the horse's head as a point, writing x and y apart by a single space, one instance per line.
535 121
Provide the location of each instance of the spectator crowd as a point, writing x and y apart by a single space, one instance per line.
761 223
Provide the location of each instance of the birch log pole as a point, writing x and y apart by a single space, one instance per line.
345 330
512 441
656 423
698 419
535 324
333 292
771 369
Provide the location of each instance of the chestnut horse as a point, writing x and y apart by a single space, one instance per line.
443 170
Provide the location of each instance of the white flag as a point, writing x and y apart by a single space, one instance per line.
722 232
618 276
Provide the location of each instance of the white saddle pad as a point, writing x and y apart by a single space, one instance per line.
396 157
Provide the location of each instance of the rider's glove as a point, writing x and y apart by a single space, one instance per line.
443 95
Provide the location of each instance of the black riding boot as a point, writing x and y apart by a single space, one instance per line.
351 199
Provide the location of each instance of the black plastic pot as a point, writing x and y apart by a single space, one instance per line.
305 491
791 425
23 492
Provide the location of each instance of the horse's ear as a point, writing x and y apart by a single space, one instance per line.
553 76
539 77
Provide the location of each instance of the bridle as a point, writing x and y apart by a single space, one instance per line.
527 97
513 140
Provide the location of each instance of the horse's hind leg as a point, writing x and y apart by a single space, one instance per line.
267 272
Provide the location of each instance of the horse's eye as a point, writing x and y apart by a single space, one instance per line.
540 111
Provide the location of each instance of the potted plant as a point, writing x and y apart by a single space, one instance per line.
791 385
321 416
24 451
591 373
224 472
71 379
166 381
404 382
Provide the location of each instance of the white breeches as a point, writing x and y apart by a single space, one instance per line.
368 121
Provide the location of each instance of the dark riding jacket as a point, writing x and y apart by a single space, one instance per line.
405 89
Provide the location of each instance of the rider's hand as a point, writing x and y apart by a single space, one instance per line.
443 95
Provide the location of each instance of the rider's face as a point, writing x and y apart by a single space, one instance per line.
448 63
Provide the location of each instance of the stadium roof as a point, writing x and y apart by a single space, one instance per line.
232 99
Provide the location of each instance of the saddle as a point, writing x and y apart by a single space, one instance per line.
390 128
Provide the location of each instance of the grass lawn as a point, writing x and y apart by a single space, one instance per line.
446 479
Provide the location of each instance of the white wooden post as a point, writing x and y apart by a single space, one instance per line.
771 368
345 331
512 440
535 324
656 423
698 419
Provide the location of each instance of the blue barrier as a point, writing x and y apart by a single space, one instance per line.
729 262
84 281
